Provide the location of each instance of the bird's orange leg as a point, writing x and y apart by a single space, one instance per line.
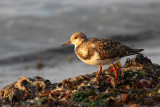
116 75
100 68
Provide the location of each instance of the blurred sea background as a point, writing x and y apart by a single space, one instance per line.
32 32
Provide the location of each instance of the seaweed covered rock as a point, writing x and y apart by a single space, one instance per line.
24 89
138 84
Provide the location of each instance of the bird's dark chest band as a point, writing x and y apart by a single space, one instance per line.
88 56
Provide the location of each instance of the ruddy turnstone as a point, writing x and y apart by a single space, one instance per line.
98 51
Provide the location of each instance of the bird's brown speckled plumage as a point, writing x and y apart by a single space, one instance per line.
107 49
98 51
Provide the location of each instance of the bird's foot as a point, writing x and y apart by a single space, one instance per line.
117 81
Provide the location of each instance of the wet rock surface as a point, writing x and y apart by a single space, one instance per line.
138 84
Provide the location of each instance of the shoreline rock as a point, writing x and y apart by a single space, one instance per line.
138 84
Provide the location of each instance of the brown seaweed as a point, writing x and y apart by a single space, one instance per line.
138 84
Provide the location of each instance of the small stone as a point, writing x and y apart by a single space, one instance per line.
39 65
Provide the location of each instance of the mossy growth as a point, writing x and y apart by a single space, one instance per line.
115 92
43 100
97 103
91 93
80 97
133 76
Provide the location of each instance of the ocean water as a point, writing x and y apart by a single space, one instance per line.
33 31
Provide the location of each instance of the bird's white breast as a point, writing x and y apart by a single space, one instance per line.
94 60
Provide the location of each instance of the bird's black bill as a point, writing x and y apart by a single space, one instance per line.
68 42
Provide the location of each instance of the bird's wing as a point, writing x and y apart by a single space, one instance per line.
109 49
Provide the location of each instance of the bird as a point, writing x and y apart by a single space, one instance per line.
99 51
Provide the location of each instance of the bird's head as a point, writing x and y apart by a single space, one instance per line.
76 39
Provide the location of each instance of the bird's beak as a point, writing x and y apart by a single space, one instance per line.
68 42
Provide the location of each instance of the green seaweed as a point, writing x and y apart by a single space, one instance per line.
80 97
43 100
142 73
97 103
91 92
115 91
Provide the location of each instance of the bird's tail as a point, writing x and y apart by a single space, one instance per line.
140 50
135 51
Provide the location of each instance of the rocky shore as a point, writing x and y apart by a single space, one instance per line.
138 84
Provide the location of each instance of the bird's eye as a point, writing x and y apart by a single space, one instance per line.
75 37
